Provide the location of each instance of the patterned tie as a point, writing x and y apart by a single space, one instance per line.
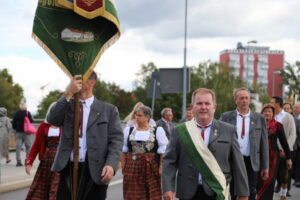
243 126
81 118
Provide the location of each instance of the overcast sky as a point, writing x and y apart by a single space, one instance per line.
152 30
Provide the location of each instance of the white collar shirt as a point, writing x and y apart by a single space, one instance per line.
279 117
86 105
207 131
244 142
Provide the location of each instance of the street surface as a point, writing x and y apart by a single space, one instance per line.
115 193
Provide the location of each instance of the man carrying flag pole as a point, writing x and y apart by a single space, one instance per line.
75 33
204 153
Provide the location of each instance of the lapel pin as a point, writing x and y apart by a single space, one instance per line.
252 123
215 133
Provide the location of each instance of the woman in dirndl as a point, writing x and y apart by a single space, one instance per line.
141 160
45 182
265 188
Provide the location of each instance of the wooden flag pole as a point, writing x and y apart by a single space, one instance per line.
75 147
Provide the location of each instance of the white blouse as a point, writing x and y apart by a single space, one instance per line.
161 138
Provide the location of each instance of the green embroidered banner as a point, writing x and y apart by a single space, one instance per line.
76 38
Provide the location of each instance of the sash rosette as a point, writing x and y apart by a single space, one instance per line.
75 33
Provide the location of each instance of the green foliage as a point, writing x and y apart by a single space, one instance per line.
263 93
112 93
291 77
207 74
11 94
220 79
53 96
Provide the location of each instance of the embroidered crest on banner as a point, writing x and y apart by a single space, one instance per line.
89 2
89 5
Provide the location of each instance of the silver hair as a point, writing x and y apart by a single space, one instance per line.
146 111
240 89
164 111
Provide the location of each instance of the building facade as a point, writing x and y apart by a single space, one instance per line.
256 64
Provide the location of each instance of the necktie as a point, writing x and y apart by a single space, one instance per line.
243 126
203 131
81 118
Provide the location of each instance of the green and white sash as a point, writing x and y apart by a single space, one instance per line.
203 159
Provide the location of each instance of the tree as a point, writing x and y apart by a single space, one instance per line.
11 93
112 93
291 77
220 79
207 74
53 96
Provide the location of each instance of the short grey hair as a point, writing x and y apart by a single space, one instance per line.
164 111
204 90
240 89
146 111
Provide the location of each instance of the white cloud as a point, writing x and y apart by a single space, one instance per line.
32 74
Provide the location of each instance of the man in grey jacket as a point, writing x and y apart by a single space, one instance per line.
100 141
204 167
252 138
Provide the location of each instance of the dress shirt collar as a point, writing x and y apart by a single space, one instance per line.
88 102
247 115
199 125
280 116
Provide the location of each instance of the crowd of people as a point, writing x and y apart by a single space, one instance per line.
239 156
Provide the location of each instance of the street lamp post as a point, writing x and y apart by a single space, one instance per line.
273 81
184 64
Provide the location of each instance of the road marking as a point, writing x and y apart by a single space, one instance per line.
116 182
32 173
16 182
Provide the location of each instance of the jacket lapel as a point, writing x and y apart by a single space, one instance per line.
252 123
232 118
215 131
94 113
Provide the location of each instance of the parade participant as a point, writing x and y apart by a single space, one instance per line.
166 121
21 136
100 141
5 129
141 160
275 131
188 115
287 120
130 119
45 183
287 107
252 138
296 162
203 155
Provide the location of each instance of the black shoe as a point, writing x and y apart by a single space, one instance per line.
297 184
277 189
19 164
288 194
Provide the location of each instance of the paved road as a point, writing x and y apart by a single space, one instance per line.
16 176
115 193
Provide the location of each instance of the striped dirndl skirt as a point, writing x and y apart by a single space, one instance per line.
141 177
45 182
